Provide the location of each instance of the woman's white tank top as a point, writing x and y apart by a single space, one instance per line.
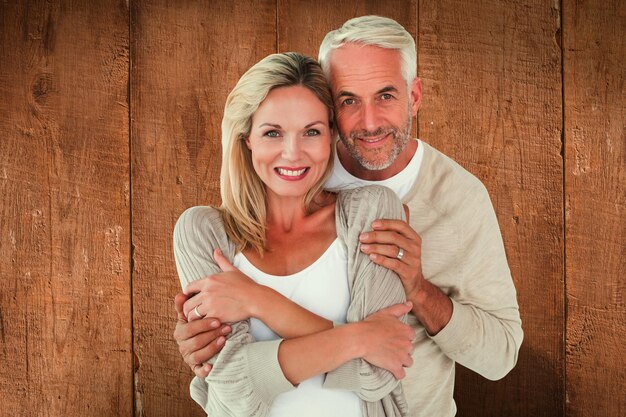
321 288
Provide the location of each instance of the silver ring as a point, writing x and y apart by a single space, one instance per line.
195 310
400 254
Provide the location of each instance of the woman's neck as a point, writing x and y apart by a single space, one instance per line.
285 214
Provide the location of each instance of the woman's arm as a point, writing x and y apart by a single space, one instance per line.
232 296
373 288
247 375
381 336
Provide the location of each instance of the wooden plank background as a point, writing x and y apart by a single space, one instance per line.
595 202
110 127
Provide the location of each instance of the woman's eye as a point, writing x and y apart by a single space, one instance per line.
312 132
272 133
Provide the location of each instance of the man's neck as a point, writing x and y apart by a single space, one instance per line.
354 168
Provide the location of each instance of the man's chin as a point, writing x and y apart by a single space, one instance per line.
371 165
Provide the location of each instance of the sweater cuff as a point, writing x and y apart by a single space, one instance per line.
452 338
264 370
198 391
345 377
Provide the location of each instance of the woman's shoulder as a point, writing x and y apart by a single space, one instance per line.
199 217
372 195
200 214
359 207
200 223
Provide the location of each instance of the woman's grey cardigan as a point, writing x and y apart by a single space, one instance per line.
246 375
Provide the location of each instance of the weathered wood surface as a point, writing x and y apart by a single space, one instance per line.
65 322
595 196
70 147
185 60
492 102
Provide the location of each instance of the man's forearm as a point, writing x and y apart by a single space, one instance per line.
431 307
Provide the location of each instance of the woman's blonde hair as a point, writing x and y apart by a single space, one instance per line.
243 193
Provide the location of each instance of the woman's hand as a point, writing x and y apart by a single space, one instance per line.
388 341
227 296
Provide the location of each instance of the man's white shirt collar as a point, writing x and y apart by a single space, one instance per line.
401 183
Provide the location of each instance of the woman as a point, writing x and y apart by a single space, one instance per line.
299 246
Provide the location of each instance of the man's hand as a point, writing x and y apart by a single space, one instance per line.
384 244
228 295
199 340
388 341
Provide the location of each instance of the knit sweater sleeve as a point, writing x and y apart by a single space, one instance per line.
484 333
246 375
372 288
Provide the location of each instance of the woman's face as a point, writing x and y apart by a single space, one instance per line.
290 140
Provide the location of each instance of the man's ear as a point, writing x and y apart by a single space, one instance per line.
416 95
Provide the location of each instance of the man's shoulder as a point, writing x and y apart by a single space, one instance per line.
446 188
441 175
442 167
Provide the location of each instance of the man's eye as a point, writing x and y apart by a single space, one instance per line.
312 132
348 102
386 96
272 133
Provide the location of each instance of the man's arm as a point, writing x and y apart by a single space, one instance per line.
198 341
479 327
431 306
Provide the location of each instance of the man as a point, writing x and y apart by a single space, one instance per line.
464 302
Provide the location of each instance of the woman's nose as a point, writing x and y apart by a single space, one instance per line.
292 148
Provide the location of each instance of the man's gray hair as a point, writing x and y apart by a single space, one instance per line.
376 31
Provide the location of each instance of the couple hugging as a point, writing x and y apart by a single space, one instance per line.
340 277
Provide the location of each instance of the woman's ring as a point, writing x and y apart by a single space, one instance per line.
400 254
195 310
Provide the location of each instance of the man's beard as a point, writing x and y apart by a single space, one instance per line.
400 139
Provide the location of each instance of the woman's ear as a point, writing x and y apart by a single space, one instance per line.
246 139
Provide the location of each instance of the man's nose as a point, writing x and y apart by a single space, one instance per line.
370 119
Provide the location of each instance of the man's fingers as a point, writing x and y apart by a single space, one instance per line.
205 353
202 371
399 373
222 261
179 301
399 310
186 331
390 251
399 226
386 237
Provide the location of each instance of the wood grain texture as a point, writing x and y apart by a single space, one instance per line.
186 57
595 179
303 25
65 320
492 102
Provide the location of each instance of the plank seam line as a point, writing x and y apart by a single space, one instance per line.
130 5
563 179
